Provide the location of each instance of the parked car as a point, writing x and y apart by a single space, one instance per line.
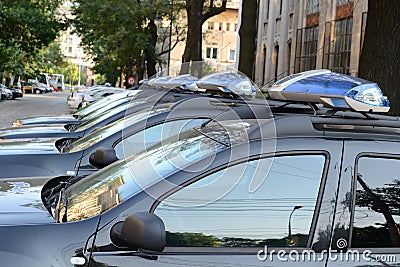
36 157
309 186
116 110
93 110
16 93
78 100
6 93
40 88
304 187
75 118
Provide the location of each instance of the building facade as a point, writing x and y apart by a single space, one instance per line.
300 35
220 35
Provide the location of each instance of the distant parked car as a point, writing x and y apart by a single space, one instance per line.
41 86
15 92
5 92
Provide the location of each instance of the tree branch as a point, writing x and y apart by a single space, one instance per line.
213 10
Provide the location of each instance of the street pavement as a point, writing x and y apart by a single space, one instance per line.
31 105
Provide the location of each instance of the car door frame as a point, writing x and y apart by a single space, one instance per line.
353 151
285 146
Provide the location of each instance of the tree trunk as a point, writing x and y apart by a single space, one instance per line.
194 35
248 34
380 56
197 14
150 51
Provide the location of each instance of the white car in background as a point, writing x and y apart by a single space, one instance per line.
83 97
5 92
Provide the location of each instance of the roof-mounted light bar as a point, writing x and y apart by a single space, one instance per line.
228 82
185 82
337 91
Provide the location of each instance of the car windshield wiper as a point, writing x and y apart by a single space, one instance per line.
212 138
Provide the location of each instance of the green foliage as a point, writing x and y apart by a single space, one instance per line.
26 26
48 59
117 33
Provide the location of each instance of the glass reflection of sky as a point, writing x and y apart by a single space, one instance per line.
244 211
97 112
109 130
112 112
128 177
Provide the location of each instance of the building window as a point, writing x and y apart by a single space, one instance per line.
276 62
291 6
266 10
277 25
312 6
339 58
70 49
290 21
306 50
221 26
232 54
265 32
211 52
210 26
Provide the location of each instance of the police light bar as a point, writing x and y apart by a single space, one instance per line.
185 81
228 82
158 81
331 89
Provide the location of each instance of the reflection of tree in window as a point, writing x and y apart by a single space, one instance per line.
377 206
247 216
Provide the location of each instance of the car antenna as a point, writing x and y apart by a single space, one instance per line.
94 239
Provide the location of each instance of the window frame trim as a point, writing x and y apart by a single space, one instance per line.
353 199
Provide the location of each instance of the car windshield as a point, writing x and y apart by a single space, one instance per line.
106 108
89 123
95 105
108 130
116 183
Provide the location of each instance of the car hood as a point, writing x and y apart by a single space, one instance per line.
21 203
23 130
47 119
28 146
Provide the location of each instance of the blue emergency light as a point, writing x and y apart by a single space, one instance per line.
228 82
331 89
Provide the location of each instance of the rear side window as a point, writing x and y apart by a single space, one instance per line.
376 216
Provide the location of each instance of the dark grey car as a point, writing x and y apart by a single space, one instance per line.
53 157
305 186
207 199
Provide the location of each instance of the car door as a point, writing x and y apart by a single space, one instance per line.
367 231
276 210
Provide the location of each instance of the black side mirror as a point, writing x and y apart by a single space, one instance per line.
102 157
143 230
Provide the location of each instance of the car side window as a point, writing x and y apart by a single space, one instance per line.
269 201
152 135
376 216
